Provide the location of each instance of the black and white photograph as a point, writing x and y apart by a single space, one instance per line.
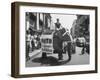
57 39
51 39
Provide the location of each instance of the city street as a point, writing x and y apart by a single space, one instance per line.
48 31
51 60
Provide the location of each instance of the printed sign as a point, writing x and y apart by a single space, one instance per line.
47 43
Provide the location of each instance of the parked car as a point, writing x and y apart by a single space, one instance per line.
80 41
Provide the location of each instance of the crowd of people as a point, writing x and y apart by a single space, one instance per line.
32 42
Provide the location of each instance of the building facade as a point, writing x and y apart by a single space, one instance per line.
38 21
80 26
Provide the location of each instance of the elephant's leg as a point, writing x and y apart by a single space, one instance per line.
60 56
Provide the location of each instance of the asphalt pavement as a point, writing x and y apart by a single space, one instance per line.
52 59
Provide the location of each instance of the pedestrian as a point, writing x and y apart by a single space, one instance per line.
85 48
28 44
32 42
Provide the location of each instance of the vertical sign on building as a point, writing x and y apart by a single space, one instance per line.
43 20
37 21
27 21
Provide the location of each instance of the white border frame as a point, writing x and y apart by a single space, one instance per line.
54 69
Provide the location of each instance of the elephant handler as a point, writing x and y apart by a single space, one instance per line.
67 39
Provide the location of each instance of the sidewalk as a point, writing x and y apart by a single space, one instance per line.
35 52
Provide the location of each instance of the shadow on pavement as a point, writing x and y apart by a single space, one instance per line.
52 61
